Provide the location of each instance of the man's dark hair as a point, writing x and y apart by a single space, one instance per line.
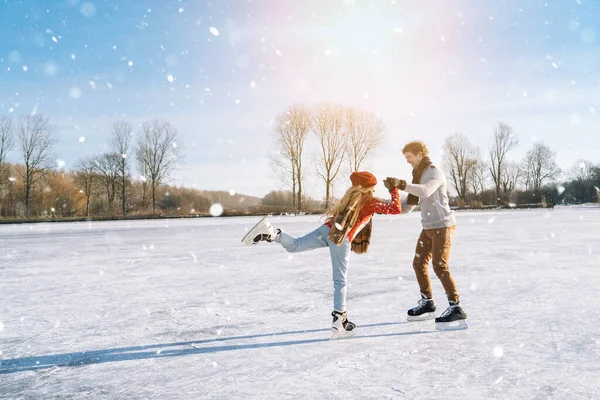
416 147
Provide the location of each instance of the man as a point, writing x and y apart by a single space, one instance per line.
428 189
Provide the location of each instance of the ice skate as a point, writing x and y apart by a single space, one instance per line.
425 310
341 328
453 319
262 231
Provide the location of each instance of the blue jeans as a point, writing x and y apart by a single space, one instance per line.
340 257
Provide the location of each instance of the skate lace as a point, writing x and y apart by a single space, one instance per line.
421 303
448 311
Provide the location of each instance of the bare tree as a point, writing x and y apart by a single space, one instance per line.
144 182
582 170
364 132
328 125
459 160
541 166
120 143
106 168
282 167
7 142
36 137
292 128
511 174
85 174
157 153
504 141
478 175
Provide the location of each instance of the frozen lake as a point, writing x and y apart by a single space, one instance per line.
165 309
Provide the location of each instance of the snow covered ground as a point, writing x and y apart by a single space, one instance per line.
181 309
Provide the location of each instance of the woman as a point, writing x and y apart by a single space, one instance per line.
347 227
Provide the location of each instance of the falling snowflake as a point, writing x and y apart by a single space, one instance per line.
75 92
498 351
214 31
88 9
50 69
588 35
14 56
216 210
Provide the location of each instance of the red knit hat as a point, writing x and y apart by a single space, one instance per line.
364 179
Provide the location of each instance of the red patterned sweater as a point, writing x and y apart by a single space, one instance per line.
373 206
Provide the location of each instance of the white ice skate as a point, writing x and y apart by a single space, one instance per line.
341 328
263 230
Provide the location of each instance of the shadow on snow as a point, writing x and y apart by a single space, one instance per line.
167 350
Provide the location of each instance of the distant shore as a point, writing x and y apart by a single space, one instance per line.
24 220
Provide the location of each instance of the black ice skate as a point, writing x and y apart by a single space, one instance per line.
341 327
454 318
262 231
423 311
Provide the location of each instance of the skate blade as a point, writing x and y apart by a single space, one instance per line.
452 326
248 239
337 335
422 317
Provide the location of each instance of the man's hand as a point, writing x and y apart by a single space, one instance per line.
392 183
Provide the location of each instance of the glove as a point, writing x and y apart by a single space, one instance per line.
388 185
392 183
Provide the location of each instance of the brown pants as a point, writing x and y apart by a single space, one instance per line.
436 244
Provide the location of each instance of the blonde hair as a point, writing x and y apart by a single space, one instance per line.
354 198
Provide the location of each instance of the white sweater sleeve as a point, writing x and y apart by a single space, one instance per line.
432 181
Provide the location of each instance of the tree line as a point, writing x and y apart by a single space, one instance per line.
345 138
154 150
351 136
536 178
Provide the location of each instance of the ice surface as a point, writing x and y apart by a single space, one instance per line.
167 309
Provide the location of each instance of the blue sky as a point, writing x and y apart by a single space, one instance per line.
221 71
